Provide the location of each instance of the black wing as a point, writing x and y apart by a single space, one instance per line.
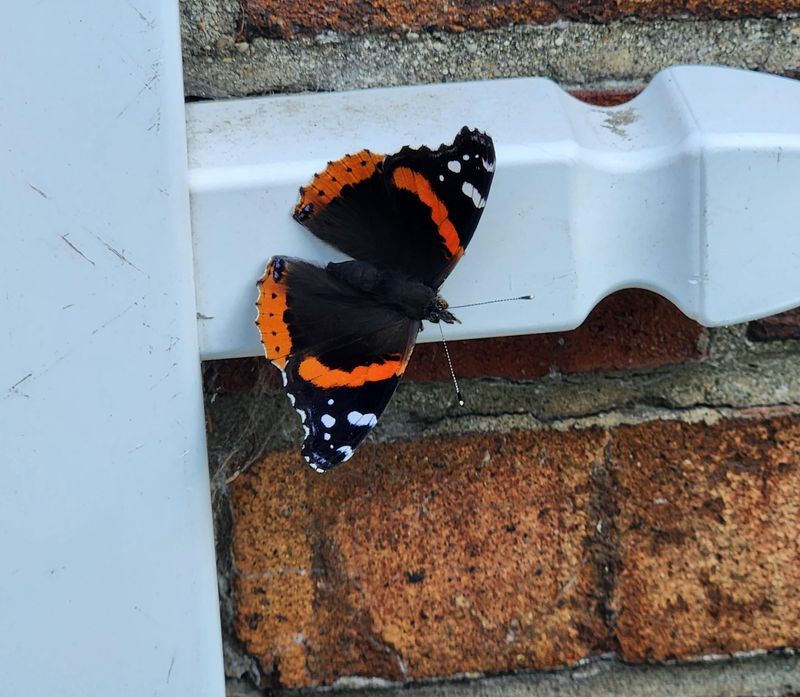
341 354
414 212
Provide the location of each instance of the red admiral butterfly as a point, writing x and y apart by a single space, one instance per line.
342 335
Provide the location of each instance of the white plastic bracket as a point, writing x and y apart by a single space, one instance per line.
689 190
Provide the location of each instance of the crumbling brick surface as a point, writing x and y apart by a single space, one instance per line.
709 551
428 558
522 550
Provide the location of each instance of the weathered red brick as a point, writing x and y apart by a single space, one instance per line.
290 18
629 329
709 537
778 327
522 550
420 560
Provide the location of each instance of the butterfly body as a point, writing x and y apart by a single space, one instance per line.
413 299
342 335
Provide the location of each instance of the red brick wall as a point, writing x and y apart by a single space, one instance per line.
520 550
631 486
660 538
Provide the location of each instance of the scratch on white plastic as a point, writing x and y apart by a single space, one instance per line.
688 190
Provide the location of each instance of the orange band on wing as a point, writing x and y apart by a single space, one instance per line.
311 370
327 185
271 307
408 179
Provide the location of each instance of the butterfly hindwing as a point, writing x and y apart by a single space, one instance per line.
341 354
336 419
414 211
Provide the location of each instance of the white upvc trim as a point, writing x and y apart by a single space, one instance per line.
688 190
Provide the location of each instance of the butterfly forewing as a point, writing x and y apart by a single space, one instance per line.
414 211
453 184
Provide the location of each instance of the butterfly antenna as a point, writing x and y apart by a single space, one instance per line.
489 302
459 396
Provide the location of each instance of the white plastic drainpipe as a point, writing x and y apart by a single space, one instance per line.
107 574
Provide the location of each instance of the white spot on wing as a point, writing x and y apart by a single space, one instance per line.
488 166
441 177
347 451
454 166
326 436
283 377
358 419
291 398
465 157
471 192
302 415
312 465
327 420
330 401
